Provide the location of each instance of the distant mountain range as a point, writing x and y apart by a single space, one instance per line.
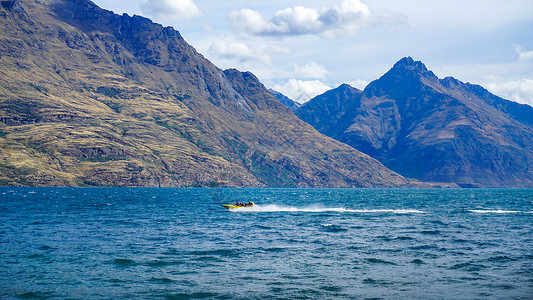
431 129
291 104
91 98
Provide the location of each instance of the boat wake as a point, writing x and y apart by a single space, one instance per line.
320 209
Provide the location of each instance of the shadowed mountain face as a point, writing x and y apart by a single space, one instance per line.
88 97
432 129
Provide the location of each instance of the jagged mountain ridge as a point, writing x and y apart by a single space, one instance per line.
432 129
91 98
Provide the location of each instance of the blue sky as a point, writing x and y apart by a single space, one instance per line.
303 48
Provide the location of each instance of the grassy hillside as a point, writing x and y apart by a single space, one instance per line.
90 98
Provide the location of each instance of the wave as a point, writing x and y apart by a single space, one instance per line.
498 211
319 209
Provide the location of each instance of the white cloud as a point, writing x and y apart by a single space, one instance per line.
297 20
347 18
236 50
168 10
242 52
311 70
520 91
301 90
250 20
522 53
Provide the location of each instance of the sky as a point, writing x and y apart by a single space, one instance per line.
303 48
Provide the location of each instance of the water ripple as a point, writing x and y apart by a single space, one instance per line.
66 243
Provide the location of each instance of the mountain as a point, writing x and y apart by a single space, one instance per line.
338 105
440 130
291 104
91 98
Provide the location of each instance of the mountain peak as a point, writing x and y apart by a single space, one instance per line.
347 87
405 71
408 63
409 69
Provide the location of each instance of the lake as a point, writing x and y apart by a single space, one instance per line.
166 243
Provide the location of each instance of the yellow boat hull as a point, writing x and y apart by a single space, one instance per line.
232 206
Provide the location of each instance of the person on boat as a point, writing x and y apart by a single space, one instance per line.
250 203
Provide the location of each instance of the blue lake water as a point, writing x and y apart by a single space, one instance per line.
144 243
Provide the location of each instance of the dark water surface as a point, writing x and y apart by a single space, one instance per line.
91 243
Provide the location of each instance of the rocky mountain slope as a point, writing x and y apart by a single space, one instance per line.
432 129
91 98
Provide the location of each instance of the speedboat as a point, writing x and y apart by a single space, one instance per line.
250 204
